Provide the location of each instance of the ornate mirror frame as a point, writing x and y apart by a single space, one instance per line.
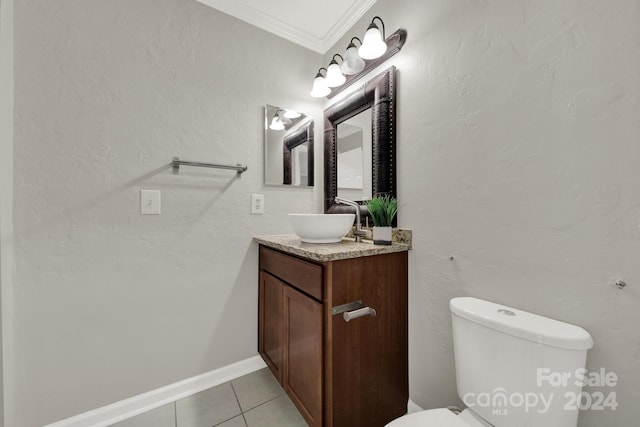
379 94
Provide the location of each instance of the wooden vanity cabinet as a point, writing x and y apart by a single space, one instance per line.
337 373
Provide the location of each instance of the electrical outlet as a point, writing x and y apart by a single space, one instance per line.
150 202
257 204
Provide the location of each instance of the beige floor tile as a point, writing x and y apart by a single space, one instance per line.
256 388
207 408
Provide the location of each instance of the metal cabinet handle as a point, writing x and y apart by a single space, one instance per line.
361 312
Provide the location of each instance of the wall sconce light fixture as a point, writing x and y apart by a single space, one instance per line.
320 87
357 61
282 118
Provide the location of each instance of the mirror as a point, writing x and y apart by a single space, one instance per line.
377 99
353 149
288 147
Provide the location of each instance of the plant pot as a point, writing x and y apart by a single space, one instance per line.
382 236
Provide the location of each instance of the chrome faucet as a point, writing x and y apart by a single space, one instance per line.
359 233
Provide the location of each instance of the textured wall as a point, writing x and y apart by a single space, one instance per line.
518 148
6 200
109 303
518 153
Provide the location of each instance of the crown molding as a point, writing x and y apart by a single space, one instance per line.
345 23
282 29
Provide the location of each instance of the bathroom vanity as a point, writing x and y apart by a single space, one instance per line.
337 372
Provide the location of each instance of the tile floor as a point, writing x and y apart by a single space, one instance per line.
255 400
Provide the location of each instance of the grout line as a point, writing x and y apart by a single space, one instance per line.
235 395
237 401
265 402
228 419
242 411
239 405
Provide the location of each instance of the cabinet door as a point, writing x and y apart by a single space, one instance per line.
271 325
369 355
303 345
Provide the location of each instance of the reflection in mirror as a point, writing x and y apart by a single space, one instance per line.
299 166
288 147
354 157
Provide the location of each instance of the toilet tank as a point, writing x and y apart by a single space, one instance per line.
515 368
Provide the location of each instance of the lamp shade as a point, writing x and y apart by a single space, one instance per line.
291 114
335 77
352 63
320 88
373 45
276 124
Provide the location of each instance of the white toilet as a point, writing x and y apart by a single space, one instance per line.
513 369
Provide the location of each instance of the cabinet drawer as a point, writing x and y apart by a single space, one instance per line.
301 274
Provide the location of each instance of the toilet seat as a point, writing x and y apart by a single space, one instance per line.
431 418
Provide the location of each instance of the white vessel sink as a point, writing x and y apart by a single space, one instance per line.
321 228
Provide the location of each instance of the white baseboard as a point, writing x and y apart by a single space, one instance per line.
413 407
136 405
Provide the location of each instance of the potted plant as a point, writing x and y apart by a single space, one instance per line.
382 210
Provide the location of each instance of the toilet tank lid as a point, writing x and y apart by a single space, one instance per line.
529 326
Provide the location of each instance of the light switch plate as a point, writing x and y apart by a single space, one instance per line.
257 204
150 202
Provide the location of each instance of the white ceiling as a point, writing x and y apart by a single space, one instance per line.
314 24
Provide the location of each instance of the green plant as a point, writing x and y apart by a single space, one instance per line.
382 210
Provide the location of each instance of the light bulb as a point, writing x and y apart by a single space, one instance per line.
373 45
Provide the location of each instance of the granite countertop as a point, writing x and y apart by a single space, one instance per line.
323 252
